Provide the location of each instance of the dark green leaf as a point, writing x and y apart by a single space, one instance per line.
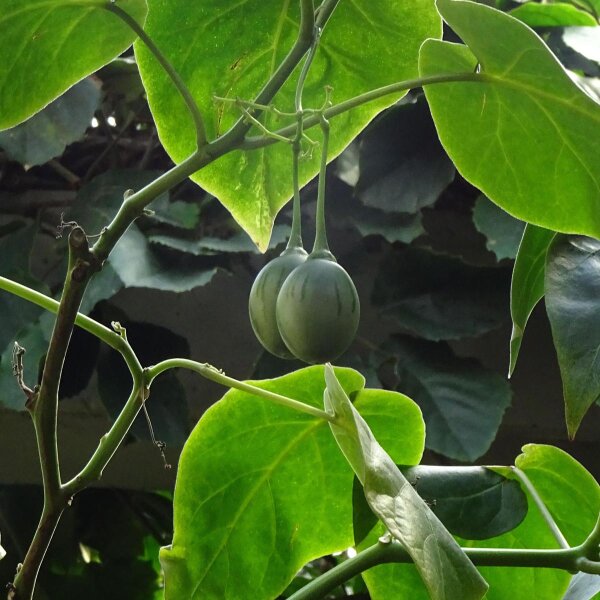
524 116
446 571
462 402
62 122
207 246
502 231
572 292
558 14
104 285
47 46
138 266
176 213
438 297
398 227
471 502
527 286
583 586
403 166
98 201
358 52
250 461
133 260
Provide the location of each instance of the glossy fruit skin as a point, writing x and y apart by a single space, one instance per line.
263 298
318 309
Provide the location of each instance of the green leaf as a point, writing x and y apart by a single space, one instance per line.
462 402
446 571
358 52
50 131
503 232
572 288
249 461
583 586
527 285
558 14
567 489
403 166
48 45
471 502
524 116
438 297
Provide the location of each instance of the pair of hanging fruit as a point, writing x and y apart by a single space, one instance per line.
305 305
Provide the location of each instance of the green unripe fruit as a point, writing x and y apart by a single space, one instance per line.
318 309
263 299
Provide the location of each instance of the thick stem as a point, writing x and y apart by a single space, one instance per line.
44 404
24 583
393 552
168 68
210 372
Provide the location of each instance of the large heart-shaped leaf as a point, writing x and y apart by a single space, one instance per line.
364 45
572 292
403 166
446 571
48 45
527 285
521 118
463 403
261 489
440 297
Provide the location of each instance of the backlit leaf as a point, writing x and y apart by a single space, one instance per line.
358 51
48 45
522 117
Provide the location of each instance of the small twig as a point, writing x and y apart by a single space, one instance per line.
18 370
60 228
250 118
158 443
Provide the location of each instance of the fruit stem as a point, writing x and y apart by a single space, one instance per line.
295 240
321 233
